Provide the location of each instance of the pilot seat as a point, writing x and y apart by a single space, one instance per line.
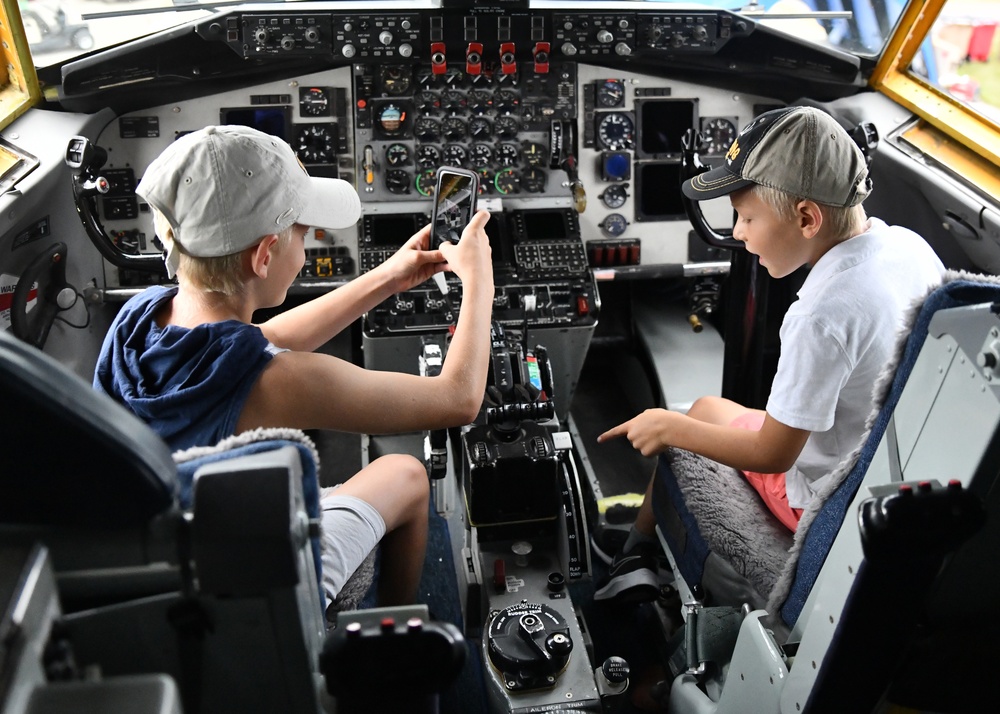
776 621
176 568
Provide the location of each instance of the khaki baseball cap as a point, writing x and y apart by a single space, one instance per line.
800 150
223 188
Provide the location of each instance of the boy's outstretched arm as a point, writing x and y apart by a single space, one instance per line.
308 390
308 326
773 449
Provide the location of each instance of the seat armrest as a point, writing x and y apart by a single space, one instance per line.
249 523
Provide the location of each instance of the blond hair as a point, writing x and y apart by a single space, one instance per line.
843 222
223 274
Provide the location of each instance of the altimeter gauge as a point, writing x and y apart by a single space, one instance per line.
316 143
718 133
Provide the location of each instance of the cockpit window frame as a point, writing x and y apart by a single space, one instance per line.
949 131
19 88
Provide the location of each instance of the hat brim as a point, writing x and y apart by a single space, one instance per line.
713 184
332 203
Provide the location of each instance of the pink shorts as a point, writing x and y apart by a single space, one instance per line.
771 487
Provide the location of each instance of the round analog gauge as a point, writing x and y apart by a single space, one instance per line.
533 180
397 154
610 93
507 101
392 119
316 144
427 129
481 79
455 155
485 181
481 154
397 180
480 128
314 102
428 156
428 101
396 79
509 79
425 76
615 130
614 196
508 154
426 181
718 133
506 181
506 127
481 101
454 101
535 154
614 224
453 128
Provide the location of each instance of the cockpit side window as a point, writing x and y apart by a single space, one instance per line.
18 83
943 63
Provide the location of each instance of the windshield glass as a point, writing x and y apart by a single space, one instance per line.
58 30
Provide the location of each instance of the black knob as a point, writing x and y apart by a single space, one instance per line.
558 644
615 669
556 582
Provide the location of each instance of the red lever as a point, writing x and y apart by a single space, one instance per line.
474 58
541 55
507 63
439 64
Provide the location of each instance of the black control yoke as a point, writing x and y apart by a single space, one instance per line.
865 135
691 166
88 159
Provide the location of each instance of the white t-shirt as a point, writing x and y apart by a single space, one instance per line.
836 339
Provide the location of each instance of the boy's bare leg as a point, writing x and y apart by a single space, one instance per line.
397 487
714 410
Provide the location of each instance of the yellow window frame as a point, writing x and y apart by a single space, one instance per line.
19 88
949 131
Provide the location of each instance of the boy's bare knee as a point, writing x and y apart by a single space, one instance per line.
410 475
703 406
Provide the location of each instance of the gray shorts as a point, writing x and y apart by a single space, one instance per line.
351 530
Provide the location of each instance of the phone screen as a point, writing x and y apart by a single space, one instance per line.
454 203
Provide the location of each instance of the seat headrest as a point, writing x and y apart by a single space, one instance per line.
74 456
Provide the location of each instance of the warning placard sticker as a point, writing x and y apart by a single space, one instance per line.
7 285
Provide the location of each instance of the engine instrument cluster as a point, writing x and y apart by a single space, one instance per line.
410 120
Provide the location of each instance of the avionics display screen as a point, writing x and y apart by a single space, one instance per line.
544 225
662 123
496 231
270 120
658 192
391 229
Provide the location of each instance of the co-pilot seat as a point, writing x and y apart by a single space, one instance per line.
937 419
204 571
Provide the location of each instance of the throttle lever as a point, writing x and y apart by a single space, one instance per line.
503 377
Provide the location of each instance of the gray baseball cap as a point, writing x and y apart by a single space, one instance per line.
800 150
223 188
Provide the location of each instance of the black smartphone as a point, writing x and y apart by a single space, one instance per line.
454 203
